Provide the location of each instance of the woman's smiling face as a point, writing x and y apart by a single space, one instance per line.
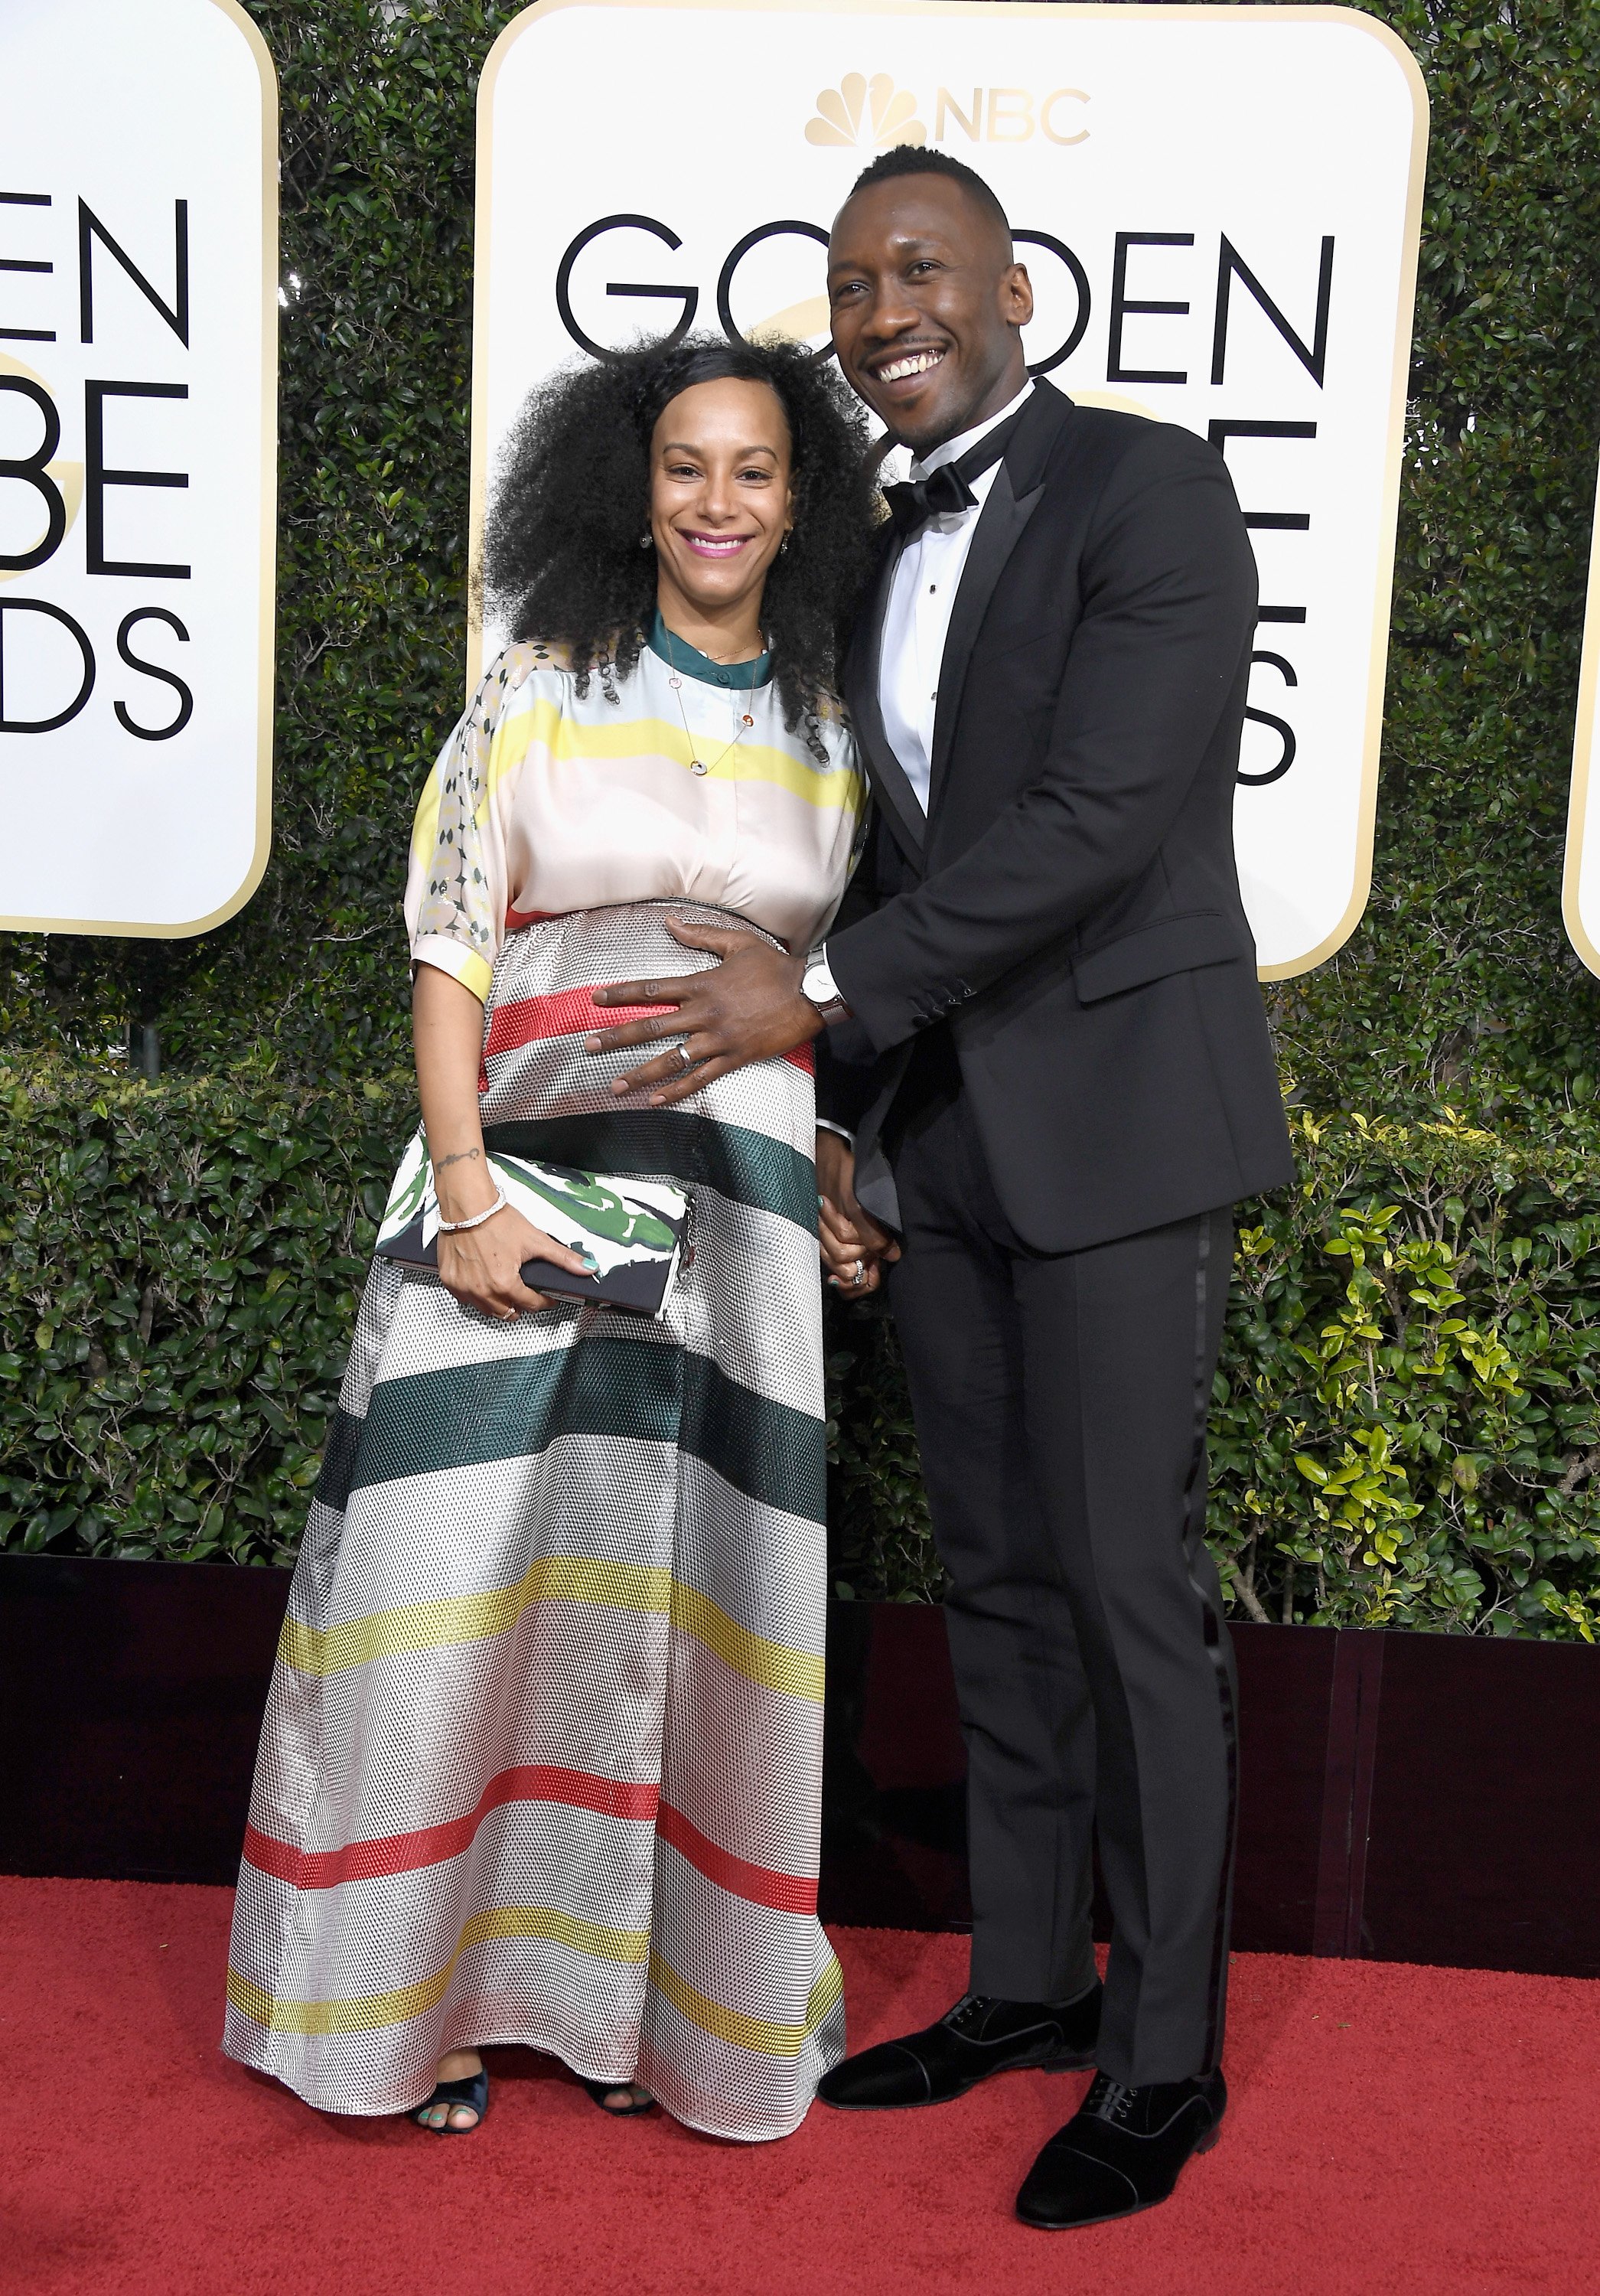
720 495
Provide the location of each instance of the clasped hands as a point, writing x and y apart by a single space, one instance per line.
855 1250
746 1007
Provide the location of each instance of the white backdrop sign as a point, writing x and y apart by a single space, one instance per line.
1219 208
1580 889
138 362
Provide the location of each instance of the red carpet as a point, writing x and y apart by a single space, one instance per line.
1426 2131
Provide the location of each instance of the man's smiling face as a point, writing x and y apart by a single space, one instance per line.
928 307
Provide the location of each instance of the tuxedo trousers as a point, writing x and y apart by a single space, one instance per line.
1060 1404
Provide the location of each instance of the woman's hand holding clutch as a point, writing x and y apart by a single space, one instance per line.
482 1268
482 1265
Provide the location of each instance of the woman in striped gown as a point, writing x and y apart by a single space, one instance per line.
542 1757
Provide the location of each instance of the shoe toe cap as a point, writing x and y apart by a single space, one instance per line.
888 2075
1066 2186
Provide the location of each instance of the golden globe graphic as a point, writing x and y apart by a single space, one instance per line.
1202 251
138 308
860 111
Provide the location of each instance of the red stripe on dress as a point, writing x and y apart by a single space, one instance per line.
573 1012
405 1853
786 1893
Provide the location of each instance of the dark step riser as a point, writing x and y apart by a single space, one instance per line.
1411 1797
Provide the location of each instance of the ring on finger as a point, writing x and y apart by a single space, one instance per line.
686 1057
859 1276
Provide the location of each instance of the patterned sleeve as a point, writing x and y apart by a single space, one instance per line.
457 888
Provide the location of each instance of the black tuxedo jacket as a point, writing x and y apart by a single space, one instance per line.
1069 904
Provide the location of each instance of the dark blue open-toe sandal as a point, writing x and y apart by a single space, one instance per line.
601 2090
472 2092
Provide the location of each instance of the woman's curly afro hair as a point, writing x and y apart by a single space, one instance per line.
562 558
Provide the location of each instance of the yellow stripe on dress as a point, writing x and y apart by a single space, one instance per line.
529 717
827 1989
367 2014
552 1578
748 2032
424 824
774 1666
575 741
533 714
453 957
473 1618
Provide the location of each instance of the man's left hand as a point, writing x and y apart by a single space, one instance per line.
748 1007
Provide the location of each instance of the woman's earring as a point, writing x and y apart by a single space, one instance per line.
647 540
783 545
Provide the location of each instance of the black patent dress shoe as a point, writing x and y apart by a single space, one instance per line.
1122 2151
978 2037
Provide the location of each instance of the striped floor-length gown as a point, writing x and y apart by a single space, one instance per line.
542 1757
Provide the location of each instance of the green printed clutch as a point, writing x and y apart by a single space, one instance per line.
633 1229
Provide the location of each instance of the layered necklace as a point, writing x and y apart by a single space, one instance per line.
746 718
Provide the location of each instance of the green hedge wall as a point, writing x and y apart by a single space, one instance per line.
1460 985
1385 1452
1407 1428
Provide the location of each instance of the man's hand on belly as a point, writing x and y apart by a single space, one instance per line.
747 1007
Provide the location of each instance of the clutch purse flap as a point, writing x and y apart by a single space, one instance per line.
634 1229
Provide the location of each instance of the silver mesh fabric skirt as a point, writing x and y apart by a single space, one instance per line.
541 1760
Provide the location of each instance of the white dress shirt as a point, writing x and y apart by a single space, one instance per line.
916 620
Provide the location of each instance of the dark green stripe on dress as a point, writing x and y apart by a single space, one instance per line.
746 1167
470 1414
339 1461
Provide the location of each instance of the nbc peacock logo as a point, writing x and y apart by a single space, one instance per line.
860 111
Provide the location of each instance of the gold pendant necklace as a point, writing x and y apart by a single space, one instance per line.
747 719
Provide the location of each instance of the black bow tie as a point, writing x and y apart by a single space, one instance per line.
915 501
945 490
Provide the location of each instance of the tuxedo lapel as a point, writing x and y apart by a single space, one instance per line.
894 793
1011 503
1001 523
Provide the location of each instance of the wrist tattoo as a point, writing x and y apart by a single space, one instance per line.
462 1156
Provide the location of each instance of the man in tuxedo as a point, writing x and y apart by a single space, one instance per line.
1047 1066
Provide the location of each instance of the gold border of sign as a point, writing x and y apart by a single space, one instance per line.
268 514
1583 746
1054 10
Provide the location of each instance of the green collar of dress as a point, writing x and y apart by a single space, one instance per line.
678 654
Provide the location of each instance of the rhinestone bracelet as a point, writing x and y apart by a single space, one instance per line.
459 1227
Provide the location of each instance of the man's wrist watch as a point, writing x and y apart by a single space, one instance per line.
819 987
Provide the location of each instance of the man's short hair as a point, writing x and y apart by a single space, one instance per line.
916 160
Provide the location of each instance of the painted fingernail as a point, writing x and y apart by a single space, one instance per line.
591 1264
